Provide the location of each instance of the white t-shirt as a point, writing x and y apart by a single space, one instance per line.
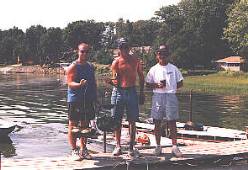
170 73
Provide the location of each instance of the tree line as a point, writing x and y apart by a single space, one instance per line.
197 32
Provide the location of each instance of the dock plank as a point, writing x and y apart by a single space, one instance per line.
194 152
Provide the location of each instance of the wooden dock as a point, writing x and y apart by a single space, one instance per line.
195 152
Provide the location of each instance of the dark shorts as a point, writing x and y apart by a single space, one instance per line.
125 99
79 112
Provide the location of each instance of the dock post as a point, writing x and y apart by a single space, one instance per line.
190 106
104 142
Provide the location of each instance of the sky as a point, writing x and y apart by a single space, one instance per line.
58 13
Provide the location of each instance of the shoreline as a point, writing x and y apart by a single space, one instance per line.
217 83
35 69
101 69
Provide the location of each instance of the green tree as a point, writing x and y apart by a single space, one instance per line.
84 31
194 30
124 29
11 45
120 28
52 43
172 20
145 32
236 31
205 21
33 44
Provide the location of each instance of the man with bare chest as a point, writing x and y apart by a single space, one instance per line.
125 69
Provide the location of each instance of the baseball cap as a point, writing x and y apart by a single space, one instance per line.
121 42
163 49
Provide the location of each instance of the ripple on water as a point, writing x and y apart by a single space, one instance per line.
21 107
24 120
5 107
3 111
33 111
52 114
17 112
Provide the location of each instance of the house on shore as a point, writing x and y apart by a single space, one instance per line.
232 63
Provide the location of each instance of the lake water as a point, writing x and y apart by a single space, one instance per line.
37 104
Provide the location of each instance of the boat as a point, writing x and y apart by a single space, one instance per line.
207 132
6 127
214 133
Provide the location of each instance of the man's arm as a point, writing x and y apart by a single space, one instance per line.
141 82
95 86
113 80
141 76
70 78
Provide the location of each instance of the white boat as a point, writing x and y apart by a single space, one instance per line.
208 132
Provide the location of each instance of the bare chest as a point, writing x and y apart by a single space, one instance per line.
127 66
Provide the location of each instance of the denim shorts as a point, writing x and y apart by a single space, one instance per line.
125 99
164 106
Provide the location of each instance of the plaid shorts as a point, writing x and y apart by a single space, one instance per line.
80 111
164 106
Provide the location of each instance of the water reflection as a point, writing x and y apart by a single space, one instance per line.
218 110
38 105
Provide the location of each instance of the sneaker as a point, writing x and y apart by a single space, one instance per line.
84 154
157 151
117 151
75 155
133 153
176 152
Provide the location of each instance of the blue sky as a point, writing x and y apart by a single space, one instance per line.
58 13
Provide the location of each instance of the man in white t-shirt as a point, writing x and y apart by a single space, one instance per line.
164 78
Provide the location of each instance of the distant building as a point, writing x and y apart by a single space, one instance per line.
232 63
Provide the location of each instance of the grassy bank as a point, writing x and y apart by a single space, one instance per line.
218 83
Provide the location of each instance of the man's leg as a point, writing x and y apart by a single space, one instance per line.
132 116
117 113
118 137
83 140
117 151
157 113
173 115
73 141
173 131
71 137
84 154
157 131
132 135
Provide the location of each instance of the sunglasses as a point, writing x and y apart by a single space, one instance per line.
84 51
123 46
163 54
